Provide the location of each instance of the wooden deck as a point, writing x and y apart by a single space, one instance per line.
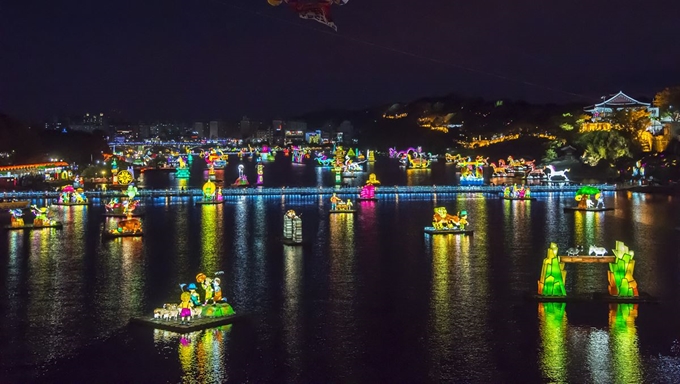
194 325
587 259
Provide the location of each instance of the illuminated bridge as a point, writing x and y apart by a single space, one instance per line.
37 168
309 191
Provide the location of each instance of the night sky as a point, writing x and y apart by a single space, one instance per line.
205 59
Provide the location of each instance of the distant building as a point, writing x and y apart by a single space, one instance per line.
248 127
657 137
278 125
198 129
296 126
345 132
214 130
90 123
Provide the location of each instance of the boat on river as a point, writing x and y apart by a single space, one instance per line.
56 225
20 204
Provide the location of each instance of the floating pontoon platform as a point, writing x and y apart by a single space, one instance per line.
123 215
31 227
575 209
108 235
201 202
195 325
291 242
433 231
70 204
368 199
342 211
519 198
594 297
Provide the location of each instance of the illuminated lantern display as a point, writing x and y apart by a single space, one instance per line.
242 180
260 173
125 177
340 206
211 194
71 196
17 219
192 310
472 172
555 175
128 227
41 218
125 208
114 172
372 179
367 193
620 273
339 158
183 171
371 156
211 172
292 228
553 275
589 199
443 223
514 193
298 155
324 160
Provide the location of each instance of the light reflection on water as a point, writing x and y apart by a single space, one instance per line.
610 355
361 289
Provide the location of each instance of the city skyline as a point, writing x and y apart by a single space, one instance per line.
207 60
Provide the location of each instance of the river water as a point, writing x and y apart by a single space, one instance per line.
368 298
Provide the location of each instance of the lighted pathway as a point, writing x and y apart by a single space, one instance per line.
308 191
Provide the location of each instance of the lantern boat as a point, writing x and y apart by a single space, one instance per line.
444 224
130 227
292 228
586 204
211 194
14 204
55 224
340 206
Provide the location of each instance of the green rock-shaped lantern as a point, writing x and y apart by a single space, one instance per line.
620 274
553 275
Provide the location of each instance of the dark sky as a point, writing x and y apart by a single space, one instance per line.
208 59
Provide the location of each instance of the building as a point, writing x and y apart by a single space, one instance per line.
345 133
249 127
601 111
656 138
214 130
198 129
90 123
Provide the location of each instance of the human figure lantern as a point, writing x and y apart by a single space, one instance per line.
292 228
442 220
515 193
589 199
242 180
212 194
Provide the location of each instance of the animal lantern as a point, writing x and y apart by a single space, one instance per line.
132 226
17 220
583 197
442 220
41 218
557 174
